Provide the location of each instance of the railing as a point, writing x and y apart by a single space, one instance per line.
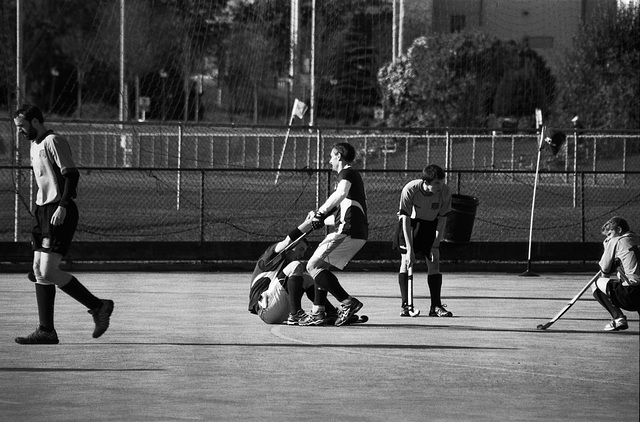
204 205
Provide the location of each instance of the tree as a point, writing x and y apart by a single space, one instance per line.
600 79
459 79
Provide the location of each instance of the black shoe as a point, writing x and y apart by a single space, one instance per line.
346 311
439 311
39 336
101 317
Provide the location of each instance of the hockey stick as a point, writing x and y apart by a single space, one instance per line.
286 249
412 312
570 304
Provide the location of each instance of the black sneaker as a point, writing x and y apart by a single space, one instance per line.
39 336
439 311
101 317
346 311
405 311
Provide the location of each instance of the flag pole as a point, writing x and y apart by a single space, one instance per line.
538 115
299 109
284 146
529 272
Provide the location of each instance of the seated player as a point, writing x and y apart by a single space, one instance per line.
620 259
277 287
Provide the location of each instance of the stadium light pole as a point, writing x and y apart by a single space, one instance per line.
19 97
163 78
312 96
122 102
293 47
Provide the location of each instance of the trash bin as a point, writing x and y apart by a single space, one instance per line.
460 222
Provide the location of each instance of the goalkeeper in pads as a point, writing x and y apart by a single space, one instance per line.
279 281
619 286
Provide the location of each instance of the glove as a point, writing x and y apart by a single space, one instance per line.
317 222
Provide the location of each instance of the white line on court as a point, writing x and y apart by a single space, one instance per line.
276 331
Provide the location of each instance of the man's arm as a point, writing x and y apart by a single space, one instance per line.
294 234
334 200
341 192
407 232
71 178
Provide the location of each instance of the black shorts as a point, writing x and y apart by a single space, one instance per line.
424 234
625 297
48 238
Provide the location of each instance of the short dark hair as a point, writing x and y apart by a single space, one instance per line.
30 112
345 149
432 172
614 222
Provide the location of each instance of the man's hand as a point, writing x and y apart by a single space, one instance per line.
58 216
317 222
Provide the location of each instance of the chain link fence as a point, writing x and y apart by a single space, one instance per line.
198 183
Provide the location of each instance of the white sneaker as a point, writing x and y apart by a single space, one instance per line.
617 324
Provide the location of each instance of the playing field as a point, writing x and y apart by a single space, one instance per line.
182 347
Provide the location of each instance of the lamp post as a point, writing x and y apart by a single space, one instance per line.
54 76
334 86
163 78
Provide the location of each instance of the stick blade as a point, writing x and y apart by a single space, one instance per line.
543 327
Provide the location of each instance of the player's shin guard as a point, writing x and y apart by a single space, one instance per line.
45 297
605 301
76 290
328 281
435 288
295 290
403 281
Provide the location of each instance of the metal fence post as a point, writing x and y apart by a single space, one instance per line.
447 164
582 206
202 223
18 177
178 177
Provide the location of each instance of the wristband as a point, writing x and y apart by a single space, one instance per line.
295 233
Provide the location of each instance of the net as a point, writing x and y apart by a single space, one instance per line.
357 62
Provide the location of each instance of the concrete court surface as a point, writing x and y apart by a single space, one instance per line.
182 347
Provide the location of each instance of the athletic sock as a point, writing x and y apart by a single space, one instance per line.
317 309
403 281
435 287
605 301
45 297
319 295
329 282
295 290
76 290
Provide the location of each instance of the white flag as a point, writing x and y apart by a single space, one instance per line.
299 108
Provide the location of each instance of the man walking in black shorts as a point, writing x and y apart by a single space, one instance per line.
55 221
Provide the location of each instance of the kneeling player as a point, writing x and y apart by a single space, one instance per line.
622 256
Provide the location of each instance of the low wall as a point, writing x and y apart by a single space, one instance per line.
241 256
